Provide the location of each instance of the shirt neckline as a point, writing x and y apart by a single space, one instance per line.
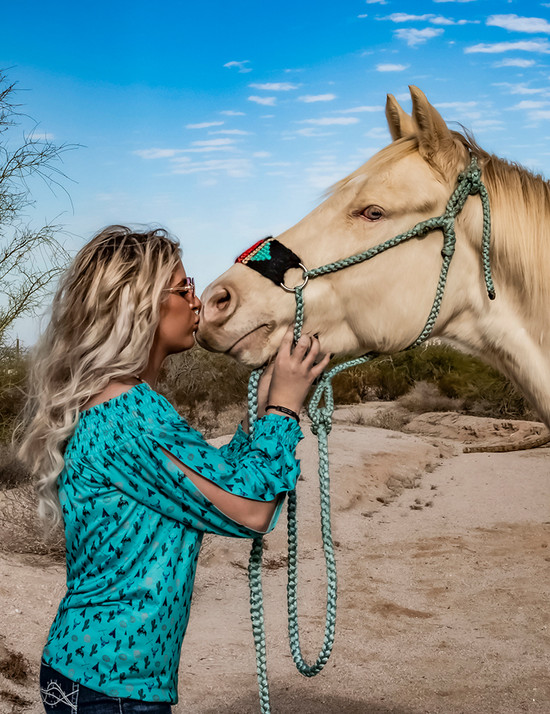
113 400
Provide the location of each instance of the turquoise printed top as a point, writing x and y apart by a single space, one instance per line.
134 525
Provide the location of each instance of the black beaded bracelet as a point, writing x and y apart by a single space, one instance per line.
284 410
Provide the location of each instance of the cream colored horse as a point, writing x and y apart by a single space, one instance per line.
382 304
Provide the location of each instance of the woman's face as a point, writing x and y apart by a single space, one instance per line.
179 316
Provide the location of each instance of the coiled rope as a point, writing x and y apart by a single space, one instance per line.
469 183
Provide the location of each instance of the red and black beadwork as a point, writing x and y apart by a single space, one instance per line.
270 258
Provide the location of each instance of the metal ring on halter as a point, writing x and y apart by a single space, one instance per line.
306 278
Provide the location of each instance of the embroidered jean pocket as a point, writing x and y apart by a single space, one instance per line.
58 693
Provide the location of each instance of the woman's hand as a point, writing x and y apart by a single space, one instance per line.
294 371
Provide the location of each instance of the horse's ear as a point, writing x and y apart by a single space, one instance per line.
433 134
399 122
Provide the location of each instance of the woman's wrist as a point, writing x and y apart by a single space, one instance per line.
283 410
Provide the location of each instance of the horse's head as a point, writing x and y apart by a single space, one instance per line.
380 304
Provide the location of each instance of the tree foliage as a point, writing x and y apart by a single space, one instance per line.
30 258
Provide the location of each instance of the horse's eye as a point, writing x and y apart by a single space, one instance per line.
373 213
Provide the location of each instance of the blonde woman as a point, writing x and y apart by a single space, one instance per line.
135 486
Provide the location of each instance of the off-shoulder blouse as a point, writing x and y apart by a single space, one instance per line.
134 525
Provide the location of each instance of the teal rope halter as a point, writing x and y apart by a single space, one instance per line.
469 183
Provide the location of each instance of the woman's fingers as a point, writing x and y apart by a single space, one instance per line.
313 353
318 368
301 347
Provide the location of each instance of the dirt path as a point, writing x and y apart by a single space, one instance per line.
444 573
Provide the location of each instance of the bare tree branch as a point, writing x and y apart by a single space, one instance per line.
30 258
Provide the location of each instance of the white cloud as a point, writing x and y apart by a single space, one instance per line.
515 63
378 132
330 121
455 105
41 136
391 67
240 66
377 2
157 153
361 17
525 45
454 0
233 167
309 98
261 154
404 17
275 86
204 125
528 104
231 113
236 132
266 101
213 142
414 37
520 88
398 17
310 131
540 115
519 24
365 108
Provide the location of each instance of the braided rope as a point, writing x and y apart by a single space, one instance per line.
469 183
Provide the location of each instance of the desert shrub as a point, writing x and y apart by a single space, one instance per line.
13 371
12 471
21 530
456 375
208 389
426 397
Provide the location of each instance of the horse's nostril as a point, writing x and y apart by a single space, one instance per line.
222 299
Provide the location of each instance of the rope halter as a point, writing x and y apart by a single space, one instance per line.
272 259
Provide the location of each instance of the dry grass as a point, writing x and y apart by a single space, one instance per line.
21 531
12 471
14 666
426 397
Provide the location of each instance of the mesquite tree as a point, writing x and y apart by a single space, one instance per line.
30 258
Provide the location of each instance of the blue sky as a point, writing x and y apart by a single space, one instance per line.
225 122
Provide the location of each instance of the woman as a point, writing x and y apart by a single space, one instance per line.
135 486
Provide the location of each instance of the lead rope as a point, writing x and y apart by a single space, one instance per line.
469 183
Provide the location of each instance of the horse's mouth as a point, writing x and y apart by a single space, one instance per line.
244 342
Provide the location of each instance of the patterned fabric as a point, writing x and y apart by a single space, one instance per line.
134 525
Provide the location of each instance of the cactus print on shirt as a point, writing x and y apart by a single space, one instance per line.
134 525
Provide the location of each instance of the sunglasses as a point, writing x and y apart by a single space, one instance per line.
187 290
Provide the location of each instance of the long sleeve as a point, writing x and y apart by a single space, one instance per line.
239 443
264 469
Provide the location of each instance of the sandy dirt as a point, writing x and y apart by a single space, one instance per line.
443 585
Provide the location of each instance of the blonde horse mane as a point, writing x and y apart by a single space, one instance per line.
520 204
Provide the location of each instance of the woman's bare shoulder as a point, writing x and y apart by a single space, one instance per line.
112 390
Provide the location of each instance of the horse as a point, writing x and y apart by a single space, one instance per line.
381 305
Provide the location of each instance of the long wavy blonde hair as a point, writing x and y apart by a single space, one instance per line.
103 322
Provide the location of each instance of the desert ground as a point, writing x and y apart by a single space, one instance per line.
443 583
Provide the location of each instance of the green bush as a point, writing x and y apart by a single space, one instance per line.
484 391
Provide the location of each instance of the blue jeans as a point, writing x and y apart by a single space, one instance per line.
60 695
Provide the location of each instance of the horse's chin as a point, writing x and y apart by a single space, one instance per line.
253 349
